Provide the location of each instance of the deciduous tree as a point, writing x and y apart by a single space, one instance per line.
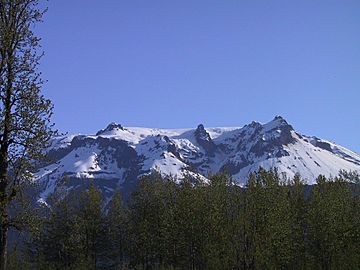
25 126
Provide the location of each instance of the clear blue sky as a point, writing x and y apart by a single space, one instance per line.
175 64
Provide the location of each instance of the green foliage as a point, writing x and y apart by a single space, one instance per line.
116 230
16 262
25 114
332 225
92 225
268 221
59 241
298 219
272 223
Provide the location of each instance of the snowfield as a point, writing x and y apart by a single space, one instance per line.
117 156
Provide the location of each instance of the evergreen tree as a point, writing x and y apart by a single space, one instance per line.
269 225
331 225
17 261
145 227
191 228
116 224
298 219
92 223
221 218
59 242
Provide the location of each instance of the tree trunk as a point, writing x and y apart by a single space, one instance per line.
3 209
3 239
3 216
4 173
4 177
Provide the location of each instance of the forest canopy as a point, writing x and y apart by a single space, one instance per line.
271 223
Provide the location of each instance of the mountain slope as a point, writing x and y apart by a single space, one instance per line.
116 156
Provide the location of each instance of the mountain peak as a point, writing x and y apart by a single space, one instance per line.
278 117
254 124
278 123
201 130
280 120
201 133
204 139
119 156
113 126
200 126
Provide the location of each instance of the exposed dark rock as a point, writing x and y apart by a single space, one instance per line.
57 154
233 168
254 124
260 148
81 141
204 140
110 127
323 145
233 149
274 145
172 148
285 135
282 153
224 148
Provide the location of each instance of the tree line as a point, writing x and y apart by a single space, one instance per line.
271 223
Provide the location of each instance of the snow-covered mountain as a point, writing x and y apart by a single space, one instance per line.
116 156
